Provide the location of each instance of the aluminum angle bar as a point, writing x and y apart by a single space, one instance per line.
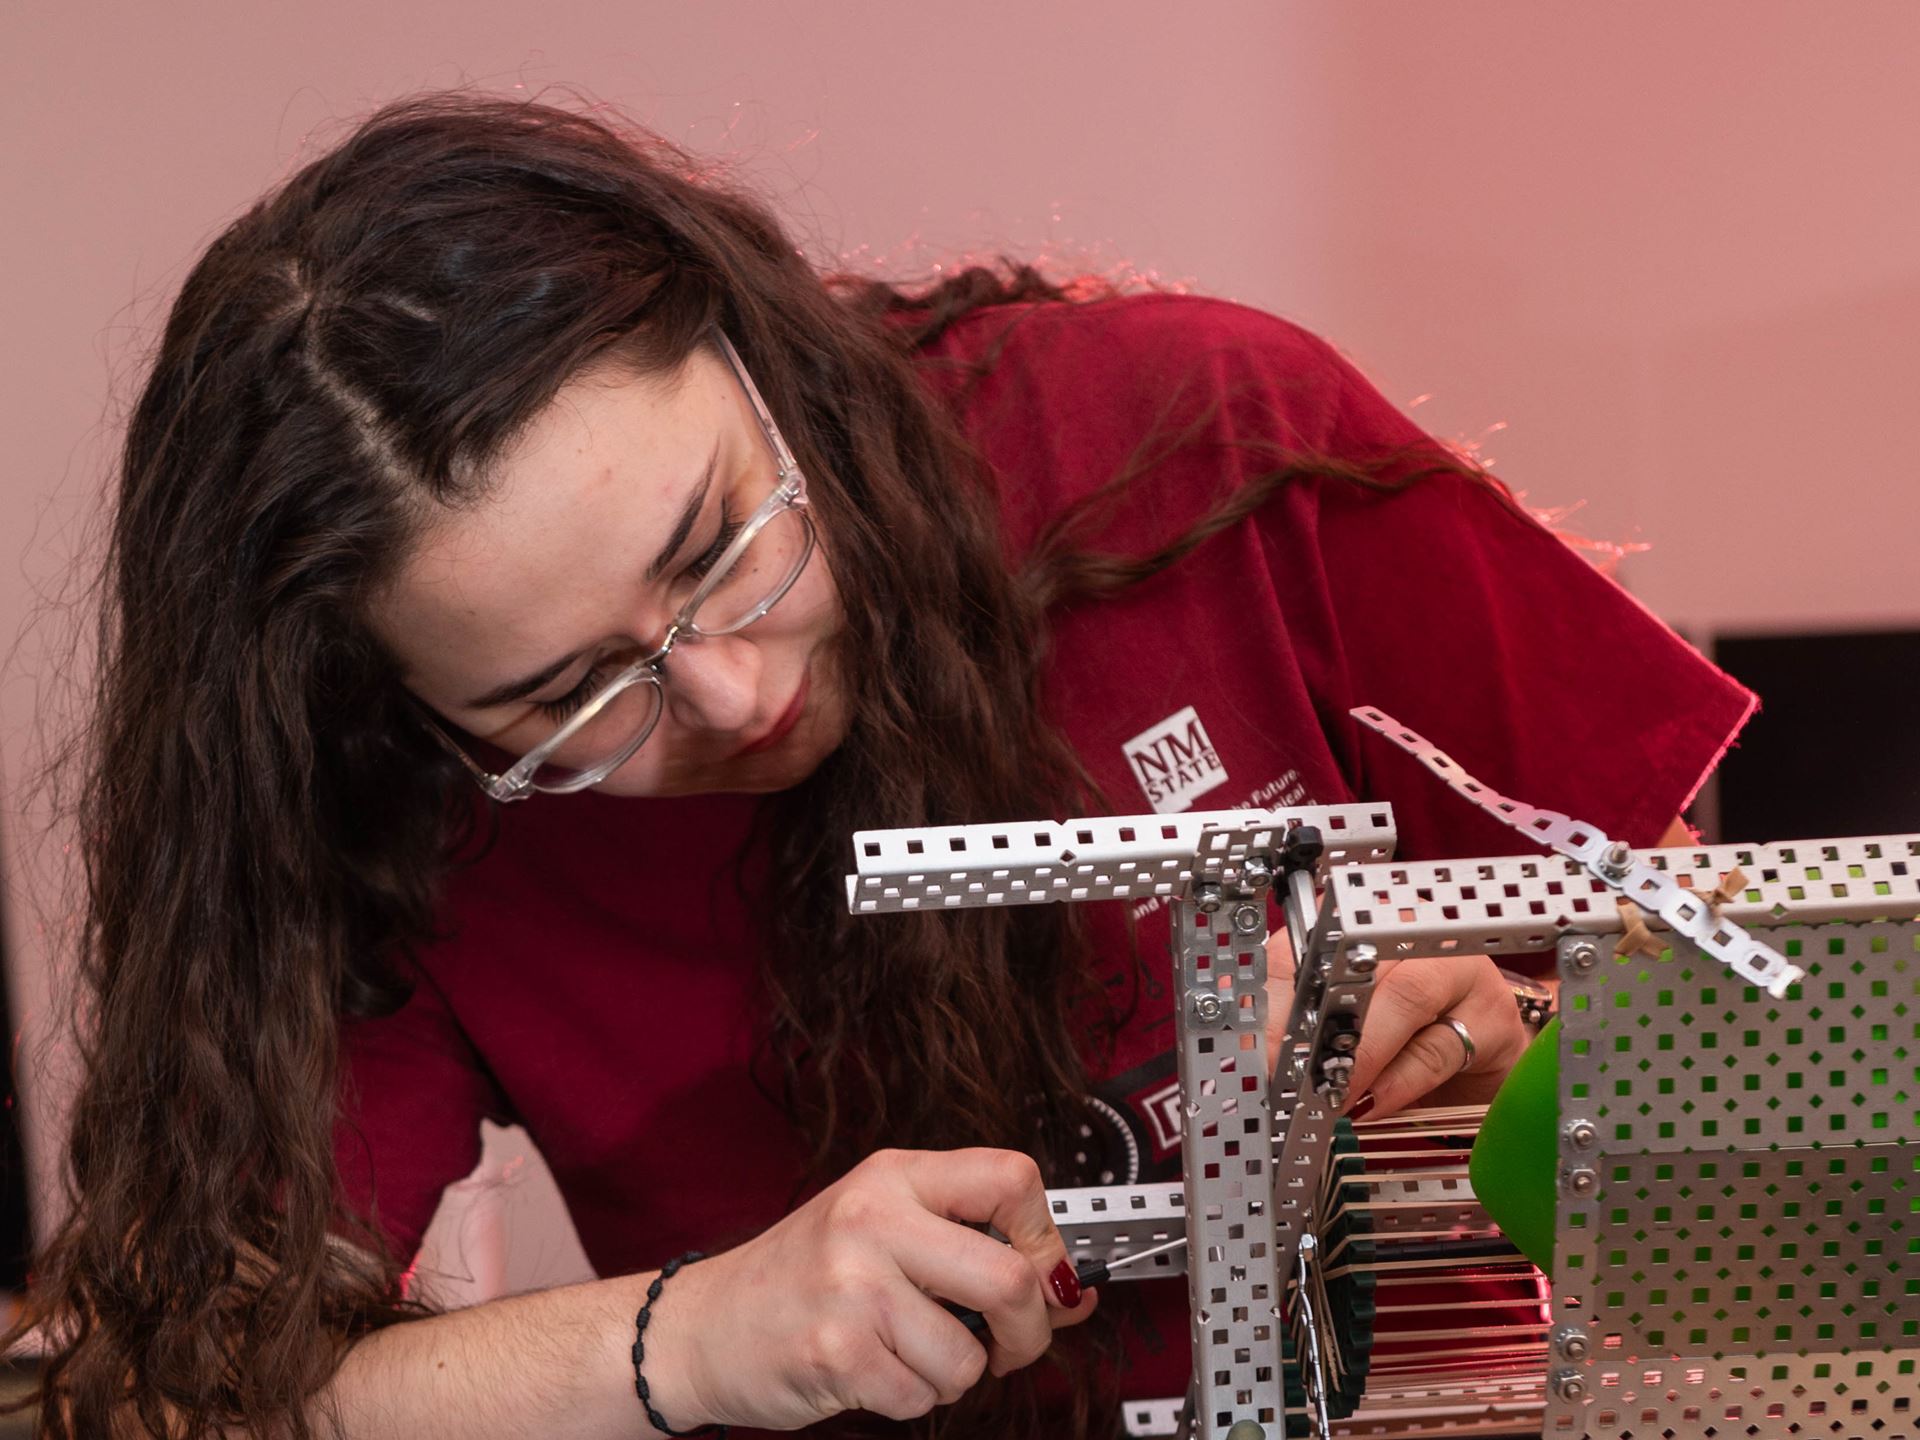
1110 1222
1333 985
1105 857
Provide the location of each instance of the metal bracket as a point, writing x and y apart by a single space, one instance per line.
1610 861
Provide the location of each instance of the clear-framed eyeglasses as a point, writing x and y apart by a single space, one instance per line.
611 723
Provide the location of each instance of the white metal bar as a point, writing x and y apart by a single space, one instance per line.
1108 857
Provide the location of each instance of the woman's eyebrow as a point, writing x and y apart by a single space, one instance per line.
526 685
683 527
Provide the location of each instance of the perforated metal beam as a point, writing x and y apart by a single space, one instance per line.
1111 857
1527 902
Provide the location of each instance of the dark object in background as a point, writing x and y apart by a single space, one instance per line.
1835 749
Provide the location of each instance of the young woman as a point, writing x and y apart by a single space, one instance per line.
527 574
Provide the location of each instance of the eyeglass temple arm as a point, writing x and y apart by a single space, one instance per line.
495 785
781 454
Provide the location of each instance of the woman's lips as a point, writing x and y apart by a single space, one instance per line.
789 718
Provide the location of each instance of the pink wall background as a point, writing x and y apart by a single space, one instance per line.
1660 258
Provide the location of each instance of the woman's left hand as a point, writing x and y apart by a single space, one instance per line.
1407 1051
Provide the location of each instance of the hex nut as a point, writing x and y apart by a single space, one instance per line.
1616 860
1571 1342
1567 1385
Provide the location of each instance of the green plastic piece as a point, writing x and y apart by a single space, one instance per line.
1516 1160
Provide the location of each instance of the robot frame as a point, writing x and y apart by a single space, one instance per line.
1737 1219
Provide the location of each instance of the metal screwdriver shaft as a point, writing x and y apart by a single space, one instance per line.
1091 1272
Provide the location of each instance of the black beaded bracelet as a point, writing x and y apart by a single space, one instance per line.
640 1387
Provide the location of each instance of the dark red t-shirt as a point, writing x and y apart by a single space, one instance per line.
598 983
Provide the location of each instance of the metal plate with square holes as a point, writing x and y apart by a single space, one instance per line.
1739 1227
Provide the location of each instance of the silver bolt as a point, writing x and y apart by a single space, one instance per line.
1362 959
1247 919
1344 1042
1207 1006
1581 1134
1256 873
1206 897
1567 1385
1616 860
1583 955
1571 1342
1582 1181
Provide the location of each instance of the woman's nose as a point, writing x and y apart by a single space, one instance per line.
713 684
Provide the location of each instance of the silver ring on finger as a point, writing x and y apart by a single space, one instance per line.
1466 1039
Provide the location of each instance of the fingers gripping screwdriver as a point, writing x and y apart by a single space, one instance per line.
1091 1272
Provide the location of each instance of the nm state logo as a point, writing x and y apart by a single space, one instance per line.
1175 762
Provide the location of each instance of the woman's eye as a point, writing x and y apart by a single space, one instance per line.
560 710
563 709
703 563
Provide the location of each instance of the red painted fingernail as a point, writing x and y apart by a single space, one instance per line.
1066 1283
1361 1107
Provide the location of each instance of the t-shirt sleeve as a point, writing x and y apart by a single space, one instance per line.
413 1094
1451 609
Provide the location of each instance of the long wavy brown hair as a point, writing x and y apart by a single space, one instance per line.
263 825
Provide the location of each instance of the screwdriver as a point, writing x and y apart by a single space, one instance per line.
1091 1272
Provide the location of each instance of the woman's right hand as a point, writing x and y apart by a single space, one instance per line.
833 1308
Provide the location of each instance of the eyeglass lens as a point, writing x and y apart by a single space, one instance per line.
764 571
